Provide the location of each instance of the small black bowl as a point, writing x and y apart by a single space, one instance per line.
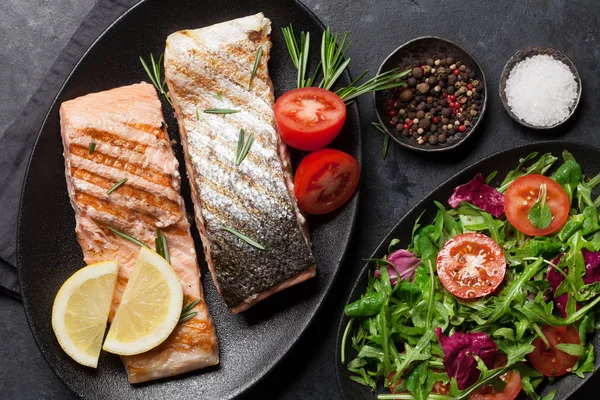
409 54
529 52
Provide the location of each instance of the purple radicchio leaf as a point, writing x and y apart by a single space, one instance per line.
556 278
405 262
592 266
480 194
458 355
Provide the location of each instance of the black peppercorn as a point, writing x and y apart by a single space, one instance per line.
442 138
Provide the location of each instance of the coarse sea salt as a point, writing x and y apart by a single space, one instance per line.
541 90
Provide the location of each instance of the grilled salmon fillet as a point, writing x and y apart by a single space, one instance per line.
211 68
127 129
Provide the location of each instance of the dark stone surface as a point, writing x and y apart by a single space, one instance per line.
35 31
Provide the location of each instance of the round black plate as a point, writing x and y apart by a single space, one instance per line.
250 344
586 156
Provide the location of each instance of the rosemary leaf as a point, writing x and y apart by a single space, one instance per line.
386 139
219 96
240 145
154 74
189 306
243 237
162 246
116 186
197 115
92 147
127 237
187 317
256 65
220 111
243 151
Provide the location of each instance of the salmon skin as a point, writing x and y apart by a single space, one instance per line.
126 127
211 68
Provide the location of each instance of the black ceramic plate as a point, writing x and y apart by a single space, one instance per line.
250 343
502 162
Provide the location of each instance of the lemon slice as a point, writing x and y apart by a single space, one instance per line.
80 311
150 307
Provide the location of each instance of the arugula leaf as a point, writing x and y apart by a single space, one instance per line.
414 353
540 215
542 165
568 175
420 381
571 349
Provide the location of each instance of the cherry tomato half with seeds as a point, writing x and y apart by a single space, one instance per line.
522 194
471 265
309 118
325 180
547 359
512 380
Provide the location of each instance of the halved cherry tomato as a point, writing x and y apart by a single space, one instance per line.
325 180
522 194
471 265
309 118
512 379
438 386
548 359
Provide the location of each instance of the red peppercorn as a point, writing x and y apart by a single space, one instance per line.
444 95
406 126
450 104
456 72
422 67
454 112
462 128
435 120
469 86
391 102
452 98
392 113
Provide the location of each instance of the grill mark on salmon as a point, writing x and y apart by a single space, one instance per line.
198 65
118 120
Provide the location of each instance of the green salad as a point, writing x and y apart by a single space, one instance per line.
495 296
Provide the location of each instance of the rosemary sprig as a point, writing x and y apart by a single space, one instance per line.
186 311
92 147
245 238
299 54
387 80
386 139
162 248
256 64
333 62
116 186
220 111
154 75
127 237
243 147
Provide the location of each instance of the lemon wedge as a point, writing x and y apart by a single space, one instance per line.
150 307
80 311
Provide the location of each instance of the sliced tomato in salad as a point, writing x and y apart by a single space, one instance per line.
471 265
309 118
547 359
512 380
522 194
325 180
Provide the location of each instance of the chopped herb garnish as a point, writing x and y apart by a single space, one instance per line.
127 237
197 115
161 245
220 111
243 237
92 147
154 75
386 139
219 96
116 186
186 311
256 64
243 147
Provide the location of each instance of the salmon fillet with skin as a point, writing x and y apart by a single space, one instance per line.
126 125
211 68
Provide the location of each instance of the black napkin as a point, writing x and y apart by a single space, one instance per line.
17 142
